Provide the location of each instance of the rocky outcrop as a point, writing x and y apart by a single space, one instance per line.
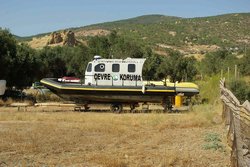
64 38
69 39
56 37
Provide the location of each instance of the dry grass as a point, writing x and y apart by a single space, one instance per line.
7 102
105 139
39 43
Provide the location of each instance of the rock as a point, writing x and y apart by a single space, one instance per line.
56 37
65 38
69 39
173 33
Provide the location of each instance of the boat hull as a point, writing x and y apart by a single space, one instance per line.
81 93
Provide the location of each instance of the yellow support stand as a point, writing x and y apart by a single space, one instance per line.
178 101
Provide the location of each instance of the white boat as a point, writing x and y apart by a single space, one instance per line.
119 82
2 87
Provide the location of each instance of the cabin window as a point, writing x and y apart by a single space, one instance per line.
100 67
131 67
115 67
89 68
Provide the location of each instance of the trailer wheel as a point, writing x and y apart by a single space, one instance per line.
167 108
86 108
116 108
132 108
167 105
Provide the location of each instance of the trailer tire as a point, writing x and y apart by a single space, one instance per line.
116 108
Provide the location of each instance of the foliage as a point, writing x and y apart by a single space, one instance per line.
178 67
53 64
25 67
76 60
151 66
7 53
209 89
115 46
223 30
214 62
49 96
240 89
213 142
212 137
99 46
245 63
18 62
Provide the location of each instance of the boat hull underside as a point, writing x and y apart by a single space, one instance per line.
109 96
81 98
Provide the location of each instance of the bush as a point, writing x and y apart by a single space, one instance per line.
206 85
213 142
51 97
240 89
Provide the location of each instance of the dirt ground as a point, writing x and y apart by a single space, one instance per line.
54 136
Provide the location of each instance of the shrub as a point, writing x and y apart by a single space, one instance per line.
213 142
240 89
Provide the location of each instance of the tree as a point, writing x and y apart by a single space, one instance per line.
99 46
177 66
7 54
214 62
18 62
123 48
25 67
53 63
241 89
77 59
245 63
151 66
211 64
114 46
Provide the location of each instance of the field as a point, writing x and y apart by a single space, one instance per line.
50 136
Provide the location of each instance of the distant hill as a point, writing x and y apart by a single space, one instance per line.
184 34
223 30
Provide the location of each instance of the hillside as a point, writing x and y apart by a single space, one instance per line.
188 35
221 30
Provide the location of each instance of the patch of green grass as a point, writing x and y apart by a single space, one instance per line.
213 142
212 137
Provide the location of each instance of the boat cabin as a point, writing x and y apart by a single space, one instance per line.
114 72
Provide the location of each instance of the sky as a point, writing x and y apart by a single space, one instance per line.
31 17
